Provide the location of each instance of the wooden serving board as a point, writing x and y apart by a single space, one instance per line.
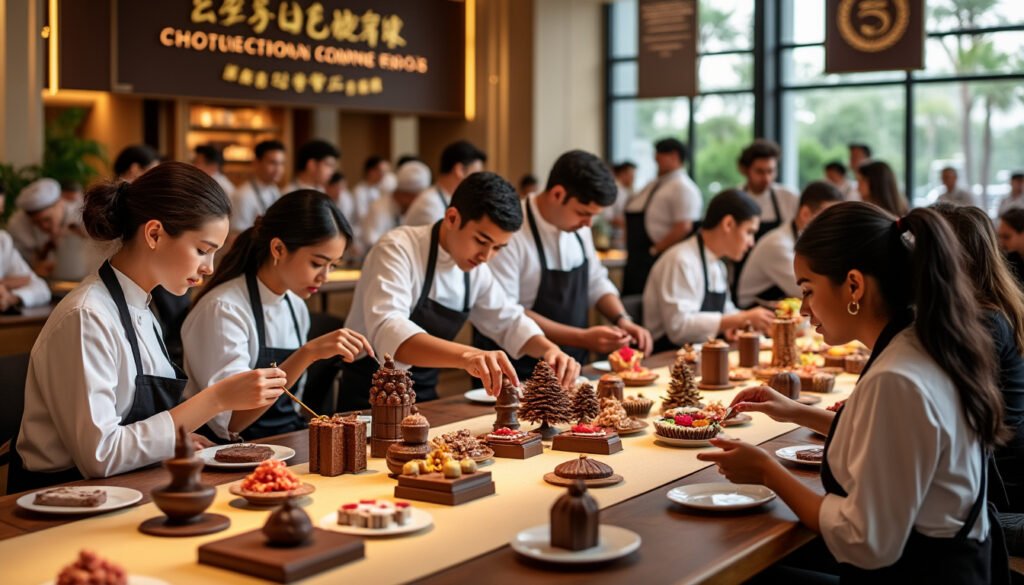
433 487
606 445
250 554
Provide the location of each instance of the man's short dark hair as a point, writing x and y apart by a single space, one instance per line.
837 167
317 150
861 146
460 152
730 202
949 170
138 154
818 193
1014 217
758 149
667 145
527 180
406 158
371 163
625 165
267 146
488 194
584 178
336 178
210 154
1017 176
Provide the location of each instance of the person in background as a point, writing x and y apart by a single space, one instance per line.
315 162
687 297
835 174
19 286
615 214
954 192
255 196
370 189
133 161
46 227
1015 198
527 186
458 161
667 210
71 191
759 165
1011 239
859 154
877 185
387 212
768 274
337 191
210 160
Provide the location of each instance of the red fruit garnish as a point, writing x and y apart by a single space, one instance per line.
367 501
585 429
505 432
350 506
401 504
626 353
684 420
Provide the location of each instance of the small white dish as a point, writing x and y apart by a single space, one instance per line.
602 366
721 496
117 497
480 396
419 520
613 542
207 456
686 442
789 454
132 580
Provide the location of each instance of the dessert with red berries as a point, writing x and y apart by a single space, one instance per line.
513 443
588 439
625 359
695 425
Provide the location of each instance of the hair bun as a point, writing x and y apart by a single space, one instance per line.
101 215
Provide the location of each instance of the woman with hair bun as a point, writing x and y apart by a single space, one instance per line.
102 397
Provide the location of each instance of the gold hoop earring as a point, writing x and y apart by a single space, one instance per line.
853 307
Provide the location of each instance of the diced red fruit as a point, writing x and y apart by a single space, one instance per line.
350 506
684 420
699 415
626 353
584 429
505 432
401 504
367 501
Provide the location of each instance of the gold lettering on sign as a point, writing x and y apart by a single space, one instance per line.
873 25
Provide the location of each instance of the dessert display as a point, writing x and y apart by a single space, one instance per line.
584 403
513 443
814 455
813 381
593 473
749 342
288 526
614 416
71 497
337 445
462 444
91 569
714 365
693 426
610 386
588 439
544 401
391 400
740 374
271 476
855 363
787 383
374 514
415 429
689 355
637 406
784 351
243 454
443 480
507 406
682 388
625 359
575 518
640 377
835 357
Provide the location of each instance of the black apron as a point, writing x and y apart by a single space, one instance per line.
928 559
639 260
281 417
436 319
714 302
259 197
561 297
440 194
774 293
153 394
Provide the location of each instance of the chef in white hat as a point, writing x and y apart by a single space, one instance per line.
42 221
386 213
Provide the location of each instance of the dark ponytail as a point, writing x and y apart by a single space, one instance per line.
299 219
178 195
917 263
883 189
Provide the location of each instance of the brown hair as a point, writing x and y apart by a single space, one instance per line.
760 148
920 273
882 187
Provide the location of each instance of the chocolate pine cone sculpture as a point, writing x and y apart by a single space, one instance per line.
544 401
391 386
585 407
682 389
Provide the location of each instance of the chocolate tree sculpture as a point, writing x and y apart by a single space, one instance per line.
544 401
682 389
391 400
507 406
585 407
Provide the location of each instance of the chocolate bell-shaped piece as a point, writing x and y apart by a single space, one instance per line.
507 406
786 383
288 526
575 519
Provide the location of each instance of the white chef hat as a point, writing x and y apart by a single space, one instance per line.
38 195
413 177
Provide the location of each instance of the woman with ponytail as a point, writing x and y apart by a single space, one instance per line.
102 396
252 313
904 470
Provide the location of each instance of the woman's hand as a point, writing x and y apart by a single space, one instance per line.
489 366
738 461
767 400
252 389
344 343
566 368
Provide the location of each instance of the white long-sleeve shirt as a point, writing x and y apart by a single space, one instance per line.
251 200
789 203
676 199
34 294
906 458
220 339
428 207
675 292
391 282
81 384
517 266
769 264
384 215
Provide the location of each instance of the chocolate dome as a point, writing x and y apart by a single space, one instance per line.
583 468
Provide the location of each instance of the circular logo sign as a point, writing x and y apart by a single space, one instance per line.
873 25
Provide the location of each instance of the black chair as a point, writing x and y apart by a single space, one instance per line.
13 372
634 305
320 377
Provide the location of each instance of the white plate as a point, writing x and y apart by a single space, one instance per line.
481 396
117 497
419 520
206 455
602 366
721 496
789 454
685 442
369 423
613 542
132 580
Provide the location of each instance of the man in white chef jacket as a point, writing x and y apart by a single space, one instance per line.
458 161
255 196
47 231
19 286
387 212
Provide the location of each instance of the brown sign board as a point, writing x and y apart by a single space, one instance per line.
874 35
667 45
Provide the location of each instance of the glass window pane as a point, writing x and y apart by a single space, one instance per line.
726 25
724 126
806 66
637 124
973 54
726 72
623 28
624 78
984 145
804 22
946 15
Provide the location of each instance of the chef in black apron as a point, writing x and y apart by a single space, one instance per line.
712 302
459 160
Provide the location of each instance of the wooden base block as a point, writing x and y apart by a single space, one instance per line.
250 554
606 445
434 488
205 524
528 448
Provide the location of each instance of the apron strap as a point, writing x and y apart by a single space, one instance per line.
775 204
259 197
440 194
703 263
110 281
961 535
654 190
295 321
428 278
257 308
540 245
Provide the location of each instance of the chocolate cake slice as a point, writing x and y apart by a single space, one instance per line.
244 454
814 454
71 497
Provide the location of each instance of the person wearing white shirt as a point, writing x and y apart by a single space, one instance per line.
315 162
421 284
1015 198
759 163
551 268
101 396
387 212
666 211
615 214
254 197
252 313
46 227
19 286
458 161
954 193
768 274
527 186
836 175
210 160
904 466
135 160
367 192
687 299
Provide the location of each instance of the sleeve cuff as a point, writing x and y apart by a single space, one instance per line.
701 326
526 330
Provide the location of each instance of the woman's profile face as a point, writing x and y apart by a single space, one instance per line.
183 261
305 270
824 303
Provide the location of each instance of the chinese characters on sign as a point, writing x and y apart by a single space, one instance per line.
874 35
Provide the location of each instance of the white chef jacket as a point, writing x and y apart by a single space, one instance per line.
34 294
81 383
363 197
677 199
958 196
769 264
428 207
517 266
251 200
384 215
617 209
1010 202
224 182
29 239
675 292
789 203
220 339
906 458
392 280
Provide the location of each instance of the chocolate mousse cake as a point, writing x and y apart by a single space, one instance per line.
583 468
244 454
813 455
71 497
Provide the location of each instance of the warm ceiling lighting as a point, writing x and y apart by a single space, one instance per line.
51 34
470 106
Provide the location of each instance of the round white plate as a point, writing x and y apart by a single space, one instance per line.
602 366
132 580
721 496
419 520
613 542
117 497
684 442
789 454
481 396
206 455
